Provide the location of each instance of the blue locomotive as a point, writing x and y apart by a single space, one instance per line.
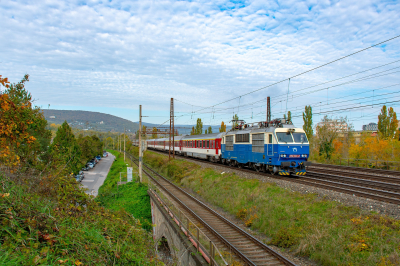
277 147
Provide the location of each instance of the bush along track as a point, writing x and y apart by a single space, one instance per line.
131 197
324 231
51 221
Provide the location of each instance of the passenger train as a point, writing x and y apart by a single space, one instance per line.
276 147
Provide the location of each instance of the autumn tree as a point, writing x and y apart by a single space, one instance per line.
205 132
223 127
327 131
209 130
393 123
235 118
383 122
23 134
308 123
199 127
193 132
154 135
65 151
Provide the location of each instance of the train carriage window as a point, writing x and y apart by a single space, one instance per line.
229 143
242 138
257 143
208 144
270 138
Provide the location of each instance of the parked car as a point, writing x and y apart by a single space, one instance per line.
98 157
90 165
105 154
85 168
82 174
78 178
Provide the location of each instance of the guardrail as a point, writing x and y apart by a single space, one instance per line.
197 237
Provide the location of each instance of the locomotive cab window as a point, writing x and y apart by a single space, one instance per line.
270 138
284 137
300 137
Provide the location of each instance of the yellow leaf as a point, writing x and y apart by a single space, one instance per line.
77 263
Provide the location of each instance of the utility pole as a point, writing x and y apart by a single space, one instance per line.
171 131
124 143
140 143
268 110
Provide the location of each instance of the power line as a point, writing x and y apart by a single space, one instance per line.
302 73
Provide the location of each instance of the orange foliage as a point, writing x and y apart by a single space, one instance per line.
374 148
14 123
4 82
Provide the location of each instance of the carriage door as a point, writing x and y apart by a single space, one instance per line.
270 146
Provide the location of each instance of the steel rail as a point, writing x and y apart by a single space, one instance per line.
357 169
340 187
357 181
358 175
236 228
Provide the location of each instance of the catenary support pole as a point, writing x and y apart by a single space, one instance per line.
140 143
124 143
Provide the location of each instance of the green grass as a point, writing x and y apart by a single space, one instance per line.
132 197
52 221
327 232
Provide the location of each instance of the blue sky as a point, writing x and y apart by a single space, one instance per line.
111 56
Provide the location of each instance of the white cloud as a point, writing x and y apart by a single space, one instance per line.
125 53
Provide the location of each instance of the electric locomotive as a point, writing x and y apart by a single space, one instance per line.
276 146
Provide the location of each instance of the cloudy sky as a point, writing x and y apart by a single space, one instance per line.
111 56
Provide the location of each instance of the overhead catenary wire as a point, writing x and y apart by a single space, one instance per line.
304 72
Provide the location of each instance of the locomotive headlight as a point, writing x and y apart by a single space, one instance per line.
283 155
304 155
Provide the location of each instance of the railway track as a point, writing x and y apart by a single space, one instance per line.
364 184
357 169
221 231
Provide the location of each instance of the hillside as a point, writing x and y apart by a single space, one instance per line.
90 120
185 129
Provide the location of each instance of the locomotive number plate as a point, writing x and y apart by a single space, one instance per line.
294 156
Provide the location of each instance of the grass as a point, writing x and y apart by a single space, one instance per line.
131 197
327 232
52 221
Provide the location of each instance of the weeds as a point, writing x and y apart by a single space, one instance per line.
51 221
325 231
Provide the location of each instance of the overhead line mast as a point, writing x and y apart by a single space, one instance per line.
171 131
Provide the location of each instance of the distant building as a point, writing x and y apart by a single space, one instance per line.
101 123
370 127
52 116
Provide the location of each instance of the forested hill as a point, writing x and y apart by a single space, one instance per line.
90 120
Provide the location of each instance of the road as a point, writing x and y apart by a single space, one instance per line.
95 177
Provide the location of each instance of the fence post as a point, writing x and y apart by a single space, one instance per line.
211 259
198 240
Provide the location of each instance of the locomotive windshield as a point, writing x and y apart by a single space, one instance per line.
287 137
284 137
300 137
